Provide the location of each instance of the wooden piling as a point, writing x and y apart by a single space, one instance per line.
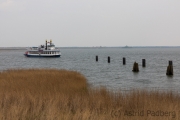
109 59
170 68
144 62
124 60
135 67
96 58
170 63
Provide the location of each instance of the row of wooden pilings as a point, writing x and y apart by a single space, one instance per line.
136 66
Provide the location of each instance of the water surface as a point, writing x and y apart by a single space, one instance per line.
113 75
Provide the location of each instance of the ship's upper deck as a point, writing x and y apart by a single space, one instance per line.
49 46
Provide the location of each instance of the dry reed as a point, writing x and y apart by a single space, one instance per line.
40 94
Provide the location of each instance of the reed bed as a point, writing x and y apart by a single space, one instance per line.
41 94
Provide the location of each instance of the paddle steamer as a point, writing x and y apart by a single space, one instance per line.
47 50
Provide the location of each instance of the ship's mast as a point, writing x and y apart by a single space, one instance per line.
50 41
46 45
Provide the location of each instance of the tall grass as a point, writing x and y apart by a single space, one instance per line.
40 94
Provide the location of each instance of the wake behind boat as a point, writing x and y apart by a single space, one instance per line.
47 50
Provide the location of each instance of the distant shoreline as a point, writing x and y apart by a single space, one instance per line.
23 48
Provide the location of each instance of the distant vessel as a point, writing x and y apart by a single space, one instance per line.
127 47
47 50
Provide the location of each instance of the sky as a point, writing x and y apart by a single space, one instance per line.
89 23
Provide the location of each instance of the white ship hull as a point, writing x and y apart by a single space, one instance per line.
42 55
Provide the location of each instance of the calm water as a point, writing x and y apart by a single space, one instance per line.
113 75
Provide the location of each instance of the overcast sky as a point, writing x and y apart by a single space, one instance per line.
87 23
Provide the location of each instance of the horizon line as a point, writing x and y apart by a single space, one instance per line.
102 47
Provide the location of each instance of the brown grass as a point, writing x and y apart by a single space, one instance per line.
39 94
